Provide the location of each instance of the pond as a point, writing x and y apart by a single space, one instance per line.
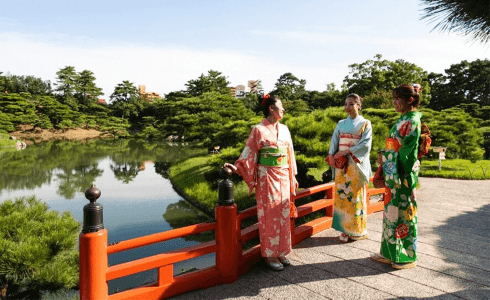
137 197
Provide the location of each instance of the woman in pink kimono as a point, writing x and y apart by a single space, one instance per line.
267 164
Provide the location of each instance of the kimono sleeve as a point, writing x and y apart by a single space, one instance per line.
361 150
247 162
407 154
334 142
294 167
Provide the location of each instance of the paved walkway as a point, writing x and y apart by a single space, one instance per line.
454 257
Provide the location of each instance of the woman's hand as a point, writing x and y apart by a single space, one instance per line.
330 160
341 153
230 166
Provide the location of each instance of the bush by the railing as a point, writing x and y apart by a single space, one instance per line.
456 169
37 249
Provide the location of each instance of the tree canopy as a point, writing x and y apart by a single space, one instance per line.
465 82
468 17
213 82
373 76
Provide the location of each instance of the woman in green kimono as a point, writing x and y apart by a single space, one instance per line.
401 168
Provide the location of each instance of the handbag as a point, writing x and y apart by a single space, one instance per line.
379 178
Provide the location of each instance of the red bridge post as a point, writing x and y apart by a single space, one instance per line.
227 253
93 250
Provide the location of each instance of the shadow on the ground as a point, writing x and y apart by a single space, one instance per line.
465 245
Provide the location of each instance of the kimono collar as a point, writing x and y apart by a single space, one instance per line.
359 117
270 127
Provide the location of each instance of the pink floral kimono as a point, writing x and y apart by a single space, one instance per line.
271 183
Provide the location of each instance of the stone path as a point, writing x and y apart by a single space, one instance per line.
454 257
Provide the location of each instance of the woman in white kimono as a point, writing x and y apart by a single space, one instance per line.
349 154
267 164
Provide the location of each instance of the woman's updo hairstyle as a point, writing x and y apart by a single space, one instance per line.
266 100
356 98
405 92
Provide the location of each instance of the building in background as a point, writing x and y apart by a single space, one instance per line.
240 91
148 96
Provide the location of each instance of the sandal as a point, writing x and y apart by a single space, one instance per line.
273 263
344 238
401 266
358 238
284 261
380 258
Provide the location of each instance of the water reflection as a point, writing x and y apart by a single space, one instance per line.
137 197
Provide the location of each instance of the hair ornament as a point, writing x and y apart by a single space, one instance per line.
264 99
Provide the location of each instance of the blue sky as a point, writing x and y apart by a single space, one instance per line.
163 44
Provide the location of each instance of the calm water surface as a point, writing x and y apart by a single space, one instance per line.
137 197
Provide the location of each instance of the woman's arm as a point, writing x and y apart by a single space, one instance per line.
360 151
246 164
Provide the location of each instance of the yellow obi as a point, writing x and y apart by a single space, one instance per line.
273 157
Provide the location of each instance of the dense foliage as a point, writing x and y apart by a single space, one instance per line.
199 117
37 249
469 17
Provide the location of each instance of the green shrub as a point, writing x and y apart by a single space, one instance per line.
37 248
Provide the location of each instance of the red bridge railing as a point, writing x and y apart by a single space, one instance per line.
231 260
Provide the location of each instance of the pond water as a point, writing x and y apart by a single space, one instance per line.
137 197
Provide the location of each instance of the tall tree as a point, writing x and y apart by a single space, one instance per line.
330 97
289 87
126 99
86 90
376 75
28 84
469 17
213 82
465 82
66 84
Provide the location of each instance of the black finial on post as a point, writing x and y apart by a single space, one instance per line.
92 212
225 188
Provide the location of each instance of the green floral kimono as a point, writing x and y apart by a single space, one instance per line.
401 168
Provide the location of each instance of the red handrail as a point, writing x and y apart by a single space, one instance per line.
231 260
160 237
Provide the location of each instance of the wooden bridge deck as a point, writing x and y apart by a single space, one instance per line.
454 257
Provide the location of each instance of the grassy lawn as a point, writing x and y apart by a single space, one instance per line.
5 140
456 168
189 177
450 168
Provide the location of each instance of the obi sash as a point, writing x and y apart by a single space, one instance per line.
347 140
273 157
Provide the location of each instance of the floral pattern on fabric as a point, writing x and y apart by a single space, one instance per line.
399 238
350 209
272 187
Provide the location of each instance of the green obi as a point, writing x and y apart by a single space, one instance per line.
273 157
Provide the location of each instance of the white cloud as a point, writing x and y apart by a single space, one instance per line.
165 69
161 69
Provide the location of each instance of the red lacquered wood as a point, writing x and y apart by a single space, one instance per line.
160 237
227 243
182 284
159 260
308 229
93 265
250 232
317 205
247 213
